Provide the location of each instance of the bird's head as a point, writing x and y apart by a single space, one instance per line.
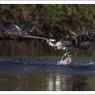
52 41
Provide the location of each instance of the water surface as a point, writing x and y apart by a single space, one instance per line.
46 82
43 74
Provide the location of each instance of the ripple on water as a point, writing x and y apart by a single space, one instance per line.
46 66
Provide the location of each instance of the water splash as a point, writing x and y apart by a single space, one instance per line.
65 61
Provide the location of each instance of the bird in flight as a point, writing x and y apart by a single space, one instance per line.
81 41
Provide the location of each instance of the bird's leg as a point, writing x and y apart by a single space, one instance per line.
65 55
65 51
66 58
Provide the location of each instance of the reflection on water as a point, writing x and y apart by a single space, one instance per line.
35 48
43 82
24 48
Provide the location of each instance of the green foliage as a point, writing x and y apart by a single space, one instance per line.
53 16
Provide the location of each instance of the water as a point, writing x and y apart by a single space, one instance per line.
25 66
46 82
